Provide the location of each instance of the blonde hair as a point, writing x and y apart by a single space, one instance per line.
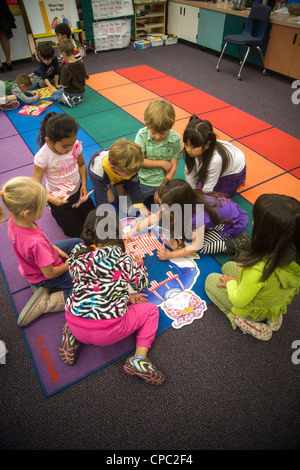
22 194
67 46
159 116
125 155
23 79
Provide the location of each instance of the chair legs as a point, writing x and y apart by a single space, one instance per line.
220 58
242 61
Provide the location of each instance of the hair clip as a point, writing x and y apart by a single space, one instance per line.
93 246
1 193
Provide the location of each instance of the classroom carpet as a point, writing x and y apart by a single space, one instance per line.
113 107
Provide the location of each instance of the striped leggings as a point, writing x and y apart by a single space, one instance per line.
212 243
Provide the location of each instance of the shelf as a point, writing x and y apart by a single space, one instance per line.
152 17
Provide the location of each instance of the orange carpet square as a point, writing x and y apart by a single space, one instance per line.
276 146
140 72
128 94
103 80
196 101
165 85
258 168
283 184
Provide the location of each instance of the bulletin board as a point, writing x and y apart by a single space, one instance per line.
38 22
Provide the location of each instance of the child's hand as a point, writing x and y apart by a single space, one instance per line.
38 94
224 279
164 254
57 200
137 298
166 166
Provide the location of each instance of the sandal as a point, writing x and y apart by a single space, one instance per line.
69 346
142 367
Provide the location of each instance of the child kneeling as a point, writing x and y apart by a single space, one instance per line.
97 311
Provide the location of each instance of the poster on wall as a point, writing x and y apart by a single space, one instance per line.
111 8
56 12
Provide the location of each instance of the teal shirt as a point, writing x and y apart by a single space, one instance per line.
269 299
169 148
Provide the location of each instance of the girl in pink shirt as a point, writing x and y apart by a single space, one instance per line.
43 264
61 161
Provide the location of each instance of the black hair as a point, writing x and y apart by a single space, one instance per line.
63 28
276 233
200 132
46 51
57 126
91 228
180 192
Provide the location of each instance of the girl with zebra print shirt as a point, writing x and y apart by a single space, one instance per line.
100 310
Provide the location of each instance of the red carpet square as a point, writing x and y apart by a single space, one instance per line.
277 146
296 172
165 85
235 122
196 102
140 72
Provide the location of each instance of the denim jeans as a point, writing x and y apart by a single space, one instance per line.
63 282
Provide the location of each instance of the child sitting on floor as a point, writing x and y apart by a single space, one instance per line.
12 91
213 224
118 168
43 264
100 310
255 293
211 164
48 70
61 161
72 78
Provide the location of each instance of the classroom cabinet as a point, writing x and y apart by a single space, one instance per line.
283 53
183 20
149 19
210 29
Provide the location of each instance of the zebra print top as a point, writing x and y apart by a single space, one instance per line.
101 280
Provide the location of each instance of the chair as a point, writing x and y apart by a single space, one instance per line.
258 18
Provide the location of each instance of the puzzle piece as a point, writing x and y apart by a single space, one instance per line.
143 245
63 188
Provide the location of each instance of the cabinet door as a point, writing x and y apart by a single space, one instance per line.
174 18
295 67
211 27
190 20
281 49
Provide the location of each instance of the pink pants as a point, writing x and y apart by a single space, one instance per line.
142 318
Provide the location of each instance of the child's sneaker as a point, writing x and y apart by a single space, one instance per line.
69 346
258 330
142 367
240 243
276 324
11 105
66 99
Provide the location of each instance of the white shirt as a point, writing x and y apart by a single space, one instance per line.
235 166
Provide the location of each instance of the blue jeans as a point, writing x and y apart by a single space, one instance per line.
57 96
63 282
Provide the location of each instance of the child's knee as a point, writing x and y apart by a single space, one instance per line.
230 269
211 282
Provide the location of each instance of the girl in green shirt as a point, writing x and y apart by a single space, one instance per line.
254 293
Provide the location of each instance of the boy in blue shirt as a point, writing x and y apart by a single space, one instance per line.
48 70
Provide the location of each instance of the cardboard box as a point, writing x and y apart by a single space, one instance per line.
142 44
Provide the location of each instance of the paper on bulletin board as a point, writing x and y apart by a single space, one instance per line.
111 8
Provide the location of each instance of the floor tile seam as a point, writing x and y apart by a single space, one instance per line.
264 157
112 86
16 168
266 181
